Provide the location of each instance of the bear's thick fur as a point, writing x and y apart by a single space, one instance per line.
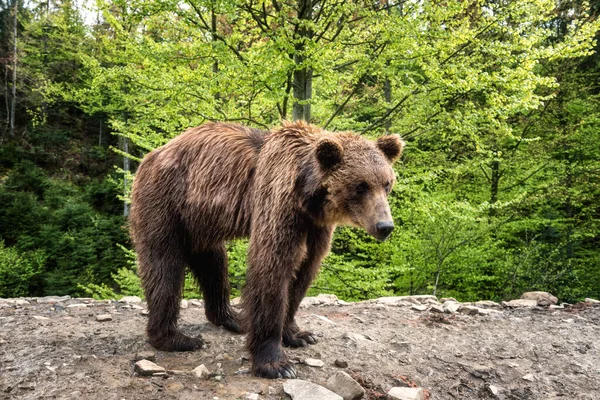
286 189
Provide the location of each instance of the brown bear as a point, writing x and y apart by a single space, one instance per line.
286 189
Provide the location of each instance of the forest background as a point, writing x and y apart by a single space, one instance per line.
498 191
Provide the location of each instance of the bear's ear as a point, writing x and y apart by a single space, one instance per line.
391 146
329 153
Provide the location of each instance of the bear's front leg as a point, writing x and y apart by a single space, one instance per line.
317 244
273 258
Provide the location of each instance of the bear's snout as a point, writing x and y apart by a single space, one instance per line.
384 229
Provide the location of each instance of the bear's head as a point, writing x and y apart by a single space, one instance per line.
358 177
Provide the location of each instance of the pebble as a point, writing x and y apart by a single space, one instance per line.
145 367
529 377
592 301
418 307
242 371
196 303
298 389
341 364
251 396
40 318
404 393
542 298
184 304
201 372
311 362
21 302
104 317
493 390
78 305
130 299
343 384
136 307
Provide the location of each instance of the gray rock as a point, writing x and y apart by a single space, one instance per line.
146 368
251 396
397 300
404 393
145 355
469 310
487 303
184 304
451 307
196 303
104 317
542 298
319 300
237 301
135 307
592 301
311 362
341 364
493 390
201 372
52 299
437 309
21 302
343 384
529 377
130 299
78 305
418 307
298 389
519 303
40 318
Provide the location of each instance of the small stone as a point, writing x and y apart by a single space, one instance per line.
341 302
298 389
242 371
520 303
493 390
592 301
445 299
78 305
184 304
529 377
251 396
343 384
145 355
469 310
406 393
21 302
556 306
311 362
130 299
542 298
135 307
451 307
201 372
146 368
40 318
236 301
418 307
341 364
104 317
145 312
218 378
196 303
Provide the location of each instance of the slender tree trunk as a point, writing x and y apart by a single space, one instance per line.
302 79
387 94
126 169
494 182
14 71
100 134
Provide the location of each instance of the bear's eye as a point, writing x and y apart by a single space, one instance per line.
388 187
362 188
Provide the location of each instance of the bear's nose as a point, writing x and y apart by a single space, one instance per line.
384 229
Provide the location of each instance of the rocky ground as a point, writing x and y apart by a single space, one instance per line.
63 348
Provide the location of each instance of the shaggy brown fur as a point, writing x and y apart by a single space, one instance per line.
287 189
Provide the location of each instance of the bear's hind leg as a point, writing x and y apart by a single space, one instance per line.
162 280
210 270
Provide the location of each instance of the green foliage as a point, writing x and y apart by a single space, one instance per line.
18 271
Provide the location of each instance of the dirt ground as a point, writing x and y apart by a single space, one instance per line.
50 349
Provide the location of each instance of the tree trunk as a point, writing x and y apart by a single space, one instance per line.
302 80
14 71
126 168
494 182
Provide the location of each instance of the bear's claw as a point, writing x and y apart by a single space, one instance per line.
276 370
177 342
299 339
